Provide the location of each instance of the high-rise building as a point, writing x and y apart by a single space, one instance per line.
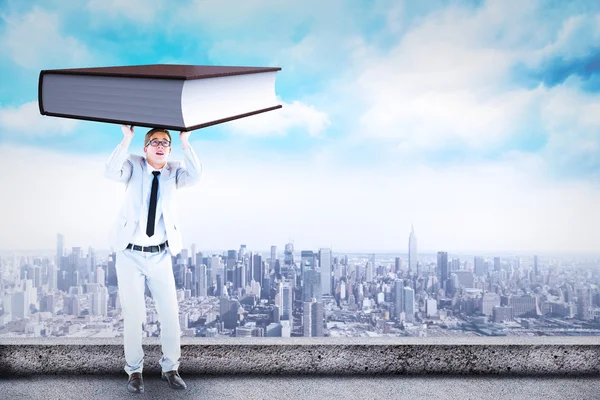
502 314
19 305
412 250
258 272
312 318
398 297
488 302
48 304
312 285
479 266
229 312
442 266
288 259
60 249
273 257
409 303
307 261
535 266
317 318
455 264
287 302
100 276
497 264
2 278
431 307
242 252
230 266
466 279
202 280
99 301
584 303
325 267
398 265
216 269
523 306
369 272
35 274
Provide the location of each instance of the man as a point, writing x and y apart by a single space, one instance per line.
148 217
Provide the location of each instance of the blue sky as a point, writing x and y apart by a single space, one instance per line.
433 99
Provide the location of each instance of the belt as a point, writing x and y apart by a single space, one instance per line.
151 249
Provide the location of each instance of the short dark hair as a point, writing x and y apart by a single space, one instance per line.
152 132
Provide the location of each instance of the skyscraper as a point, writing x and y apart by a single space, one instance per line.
398 265
442 265
307 261
479 266
60 249
202 278
412 250
311 286
312 318
317 318
409 303
325 266
193 261
369 272
287 302
258 272
496 265
288 260
229 312
398 297
2 279
99 276
273 257
242 252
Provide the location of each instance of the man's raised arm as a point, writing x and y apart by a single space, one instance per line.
189 175
118 166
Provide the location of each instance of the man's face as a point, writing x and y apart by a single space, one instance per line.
160 153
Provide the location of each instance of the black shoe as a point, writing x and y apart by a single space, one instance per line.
174 380
135 383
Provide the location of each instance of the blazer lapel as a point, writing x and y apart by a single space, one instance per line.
164 175
143 186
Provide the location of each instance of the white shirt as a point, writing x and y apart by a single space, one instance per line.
160 233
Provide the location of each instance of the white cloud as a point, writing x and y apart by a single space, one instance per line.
441 84
27 121
34 41
577 35
503 206
144 11
279 121
572 120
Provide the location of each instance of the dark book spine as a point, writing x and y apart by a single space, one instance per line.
40 84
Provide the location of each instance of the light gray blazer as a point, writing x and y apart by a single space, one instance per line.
131 169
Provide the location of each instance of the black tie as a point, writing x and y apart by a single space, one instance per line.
152 208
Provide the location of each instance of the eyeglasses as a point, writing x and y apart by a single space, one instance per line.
156 142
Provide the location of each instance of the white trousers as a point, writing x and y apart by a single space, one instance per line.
133 268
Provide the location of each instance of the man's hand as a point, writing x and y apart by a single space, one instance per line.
184 137
127 131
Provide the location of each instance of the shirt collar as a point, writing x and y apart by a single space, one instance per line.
150 168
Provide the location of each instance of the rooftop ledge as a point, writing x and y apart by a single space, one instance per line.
508 355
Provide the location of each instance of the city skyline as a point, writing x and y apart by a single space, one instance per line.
447 296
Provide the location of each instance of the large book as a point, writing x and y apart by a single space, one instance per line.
170 96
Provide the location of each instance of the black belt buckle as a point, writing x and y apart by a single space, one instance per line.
151 249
